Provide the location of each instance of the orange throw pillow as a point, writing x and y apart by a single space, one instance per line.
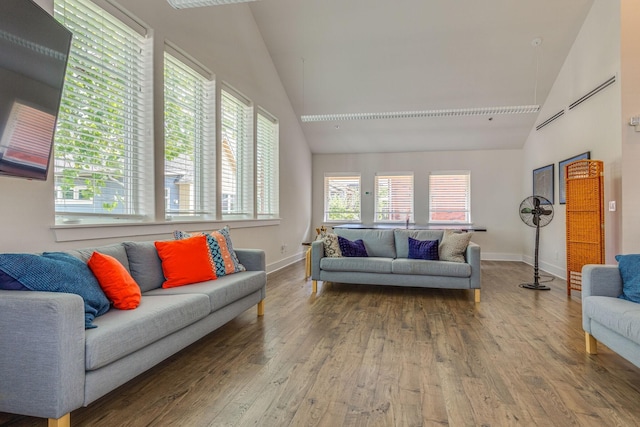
115 281
185 261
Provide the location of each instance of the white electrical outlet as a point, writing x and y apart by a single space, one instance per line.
612 206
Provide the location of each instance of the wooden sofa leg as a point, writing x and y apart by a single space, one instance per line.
261 308
476 295
63 421
591 343
315 286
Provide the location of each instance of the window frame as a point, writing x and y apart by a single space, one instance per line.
267 160
198 103
464 180
395 180
117 130
244 145
344 177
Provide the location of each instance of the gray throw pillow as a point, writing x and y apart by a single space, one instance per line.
454 245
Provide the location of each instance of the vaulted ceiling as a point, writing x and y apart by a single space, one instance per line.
368 56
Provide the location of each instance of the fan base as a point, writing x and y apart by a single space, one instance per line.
535 286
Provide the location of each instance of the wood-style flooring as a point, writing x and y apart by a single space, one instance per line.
356 355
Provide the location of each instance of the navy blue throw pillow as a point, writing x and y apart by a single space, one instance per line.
629 266
8 283
423 249
352 249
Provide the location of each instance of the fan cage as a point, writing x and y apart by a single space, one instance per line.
585 218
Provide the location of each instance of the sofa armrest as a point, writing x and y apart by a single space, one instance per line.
473 258
42 353
601 280
252 259
317 253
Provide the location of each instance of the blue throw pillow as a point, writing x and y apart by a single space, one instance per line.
58 272
423 249
629 266
352 249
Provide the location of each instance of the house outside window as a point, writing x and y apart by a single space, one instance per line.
450 197
342 198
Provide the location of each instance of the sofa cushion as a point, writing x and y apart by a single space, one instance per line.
431 268
331 245
223 291
379 243
401 238
423 249
352 249
368 265
454 245
223 256
116 250
122 332
144 264
116 281
619 315
185 262
58 272
629 266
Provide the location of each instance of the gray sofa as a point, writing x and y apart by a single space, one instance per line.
388 262
605 317
50 365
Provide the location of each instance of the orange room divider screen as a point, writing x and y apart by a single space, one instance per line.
585 218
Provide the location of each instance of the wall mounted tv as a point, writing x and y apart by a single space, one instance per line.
34 49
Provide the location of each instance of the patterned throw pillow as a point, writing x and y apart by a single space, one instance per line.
220 249
454 245
423 249
352 249
331 246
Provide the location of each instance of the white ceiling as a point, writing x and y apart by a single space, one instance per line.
344 56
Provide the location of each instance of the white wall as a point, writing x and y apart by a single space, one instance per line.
630 77
496 181
592 126
226 40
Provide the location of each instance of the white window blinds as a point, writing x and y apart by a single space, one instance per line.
394 197
236 156
342 198
103 138
267 175
450 197
189 135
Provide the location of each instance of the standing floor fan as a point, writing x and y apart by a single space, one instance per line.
536 211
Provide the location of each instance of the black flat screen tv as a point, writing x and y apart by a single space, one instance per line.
34 48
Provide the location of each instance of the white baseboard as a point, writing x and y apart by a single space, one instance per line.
555 270
497 256
278 265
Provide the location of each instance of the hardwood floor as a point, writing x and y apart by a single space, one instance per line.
356 355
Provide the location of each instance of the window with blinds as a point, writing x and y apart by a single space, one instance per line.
342 197
236 156
394 197
267 175
189 141
102 147
450 197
